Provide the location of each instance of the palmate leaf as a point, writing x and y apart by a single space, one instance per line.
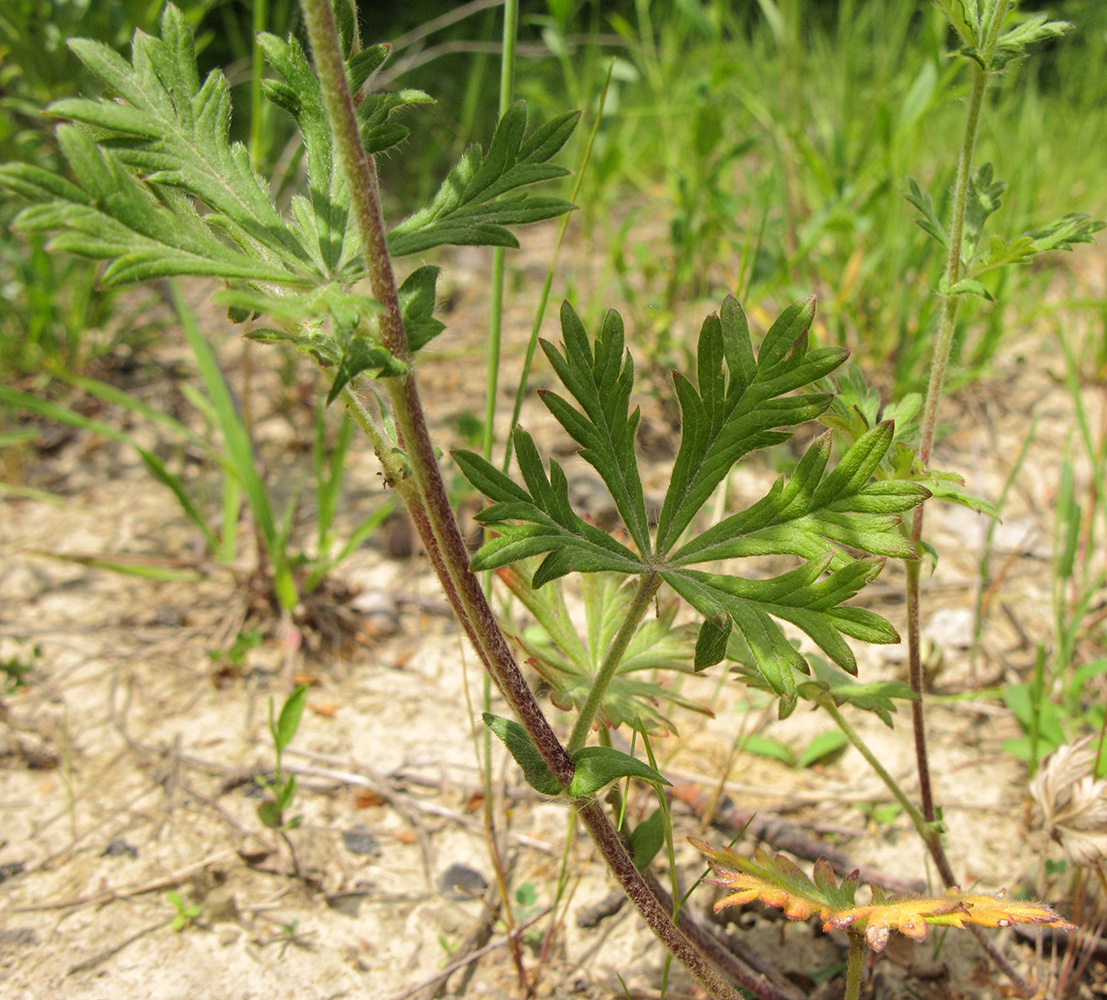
553 527
878 697
800 515
777 881
171 130
116 217
740 402
158 146
601 382
799 597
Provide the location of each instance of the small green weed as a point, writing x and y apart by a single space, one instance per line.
282 789
15 668
186 916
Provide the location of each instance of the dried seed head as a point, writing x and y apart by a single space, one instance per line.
1074 802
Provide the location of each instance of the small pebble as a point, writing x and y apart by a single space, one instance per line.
346 903
10 870
462 882
228 936
359 840
117 848
220 906
18 938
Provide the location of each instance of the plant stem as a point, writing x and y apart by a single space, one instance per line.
495 331
433 516
260 17
657 915
749 979
648 586
940 361
856 965
924 829
495 339
942 349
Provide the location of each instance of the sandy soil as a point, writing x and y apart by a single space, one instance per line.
127 761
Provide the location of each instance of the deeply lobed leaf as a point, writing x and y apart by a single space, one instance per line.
483 195
777 881
739 402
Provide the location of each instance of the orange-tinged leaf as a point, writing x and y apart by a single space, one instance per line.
777 881
995 911
908 916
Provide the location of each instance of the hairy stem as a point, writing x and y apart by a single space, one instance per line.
657 915
433 516
940 361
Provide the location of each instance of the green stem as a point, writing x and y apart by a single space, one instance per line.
495 332
947 322
926 831
261 11
647 590
855 966
940 361
393 466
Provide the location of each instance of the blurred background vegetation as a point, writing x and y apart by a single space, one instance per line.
751 146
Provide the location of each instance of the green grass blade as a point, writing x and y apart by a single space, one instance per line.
239 450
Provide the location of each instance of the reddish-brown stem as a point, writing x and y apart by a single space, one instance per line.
749 979
433 515
941 354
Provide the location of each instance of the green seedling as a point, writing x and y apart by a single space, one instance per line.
186 915
15 668
282 789
526 906
234 658
1048 724
823 749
